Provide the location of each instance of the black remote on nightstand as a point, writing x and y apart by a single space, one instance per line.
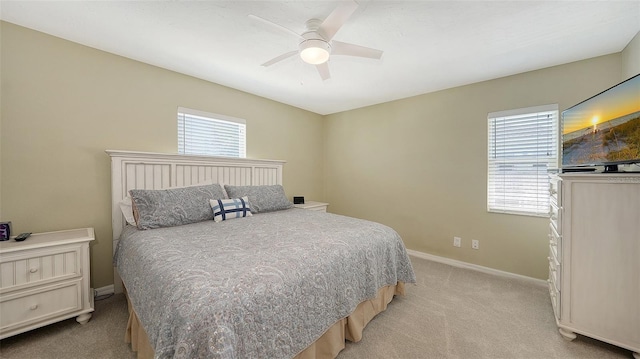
22 236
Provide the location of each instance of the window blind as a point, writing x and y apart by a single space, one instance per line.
202 133
523 146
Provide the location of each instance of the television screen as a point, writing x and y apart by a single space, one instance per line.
605 129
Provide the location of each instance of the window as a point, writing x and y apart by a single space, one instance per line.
202 133
523 146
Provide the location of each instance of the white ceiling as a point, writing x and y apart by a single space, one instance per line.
428 45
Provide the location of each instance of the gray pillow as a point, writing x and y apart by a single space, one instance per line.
175 206
261 198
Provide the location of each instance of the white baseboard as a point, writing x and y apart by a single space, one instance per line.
479 268
103 290
109 289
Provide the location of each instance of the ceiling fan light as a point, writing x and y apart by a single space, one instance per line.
314 51
314 55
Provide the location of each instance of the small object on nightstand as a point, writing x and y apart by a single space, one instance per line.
5 231
22 236
298 200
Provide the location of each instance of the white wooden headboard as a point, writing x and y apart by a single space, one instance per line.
143 170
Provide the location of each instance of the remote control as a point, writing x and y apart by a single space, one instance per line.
22 236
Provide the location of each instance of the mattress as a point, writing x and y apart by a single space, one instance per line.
263 286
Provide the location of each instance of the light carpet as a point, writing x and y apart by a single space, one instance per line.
450 313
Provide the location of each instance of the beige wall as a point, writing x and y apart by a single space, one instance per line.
63 104
631 58
419 164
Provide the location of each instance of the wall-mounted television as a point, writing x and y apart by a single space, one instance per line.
603 132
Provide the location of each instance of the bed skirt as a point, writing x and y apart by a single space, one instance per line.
327 346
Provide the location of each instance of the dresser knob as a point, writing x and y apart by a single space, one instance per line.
33 270
33 307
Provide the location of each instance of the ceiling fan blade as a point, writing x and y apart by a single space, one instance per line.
323 70
343 48
273 25
280 58
337 18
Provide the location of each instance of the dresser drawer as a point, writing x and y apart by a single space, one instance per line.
555 299
555 243
555 189
26 269
554 270
27 307
555 216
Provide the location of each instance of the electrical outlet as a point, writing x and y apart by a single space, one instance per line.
457 241
475 244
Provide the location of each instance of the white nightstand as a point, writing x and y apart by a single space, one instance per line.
313 206
45 279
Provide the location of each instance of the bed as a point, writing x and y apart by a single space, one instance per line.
280 283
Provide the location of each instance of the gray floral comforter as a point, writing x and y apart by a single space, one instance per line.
265 286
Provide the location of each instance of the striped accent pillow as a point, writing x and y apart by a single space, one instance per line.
224 209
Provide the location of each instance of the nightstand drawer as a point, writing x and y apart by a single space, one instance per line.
40 304
23 270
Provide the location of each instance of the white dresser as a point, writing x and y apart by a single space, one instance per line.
45 279
594 257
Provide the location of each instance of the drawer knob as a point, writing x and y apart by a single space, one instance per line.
33 270
33 307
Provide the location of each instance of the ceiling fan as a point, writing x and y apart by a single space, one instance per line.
316 43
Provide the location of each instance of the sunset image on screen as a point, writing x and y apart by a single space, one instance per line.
604 128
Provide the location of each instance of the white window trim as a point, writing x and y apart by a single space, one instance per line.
215 116
521 111
556 141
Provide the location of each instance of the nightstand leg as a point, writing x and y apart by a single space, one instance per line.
83 318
